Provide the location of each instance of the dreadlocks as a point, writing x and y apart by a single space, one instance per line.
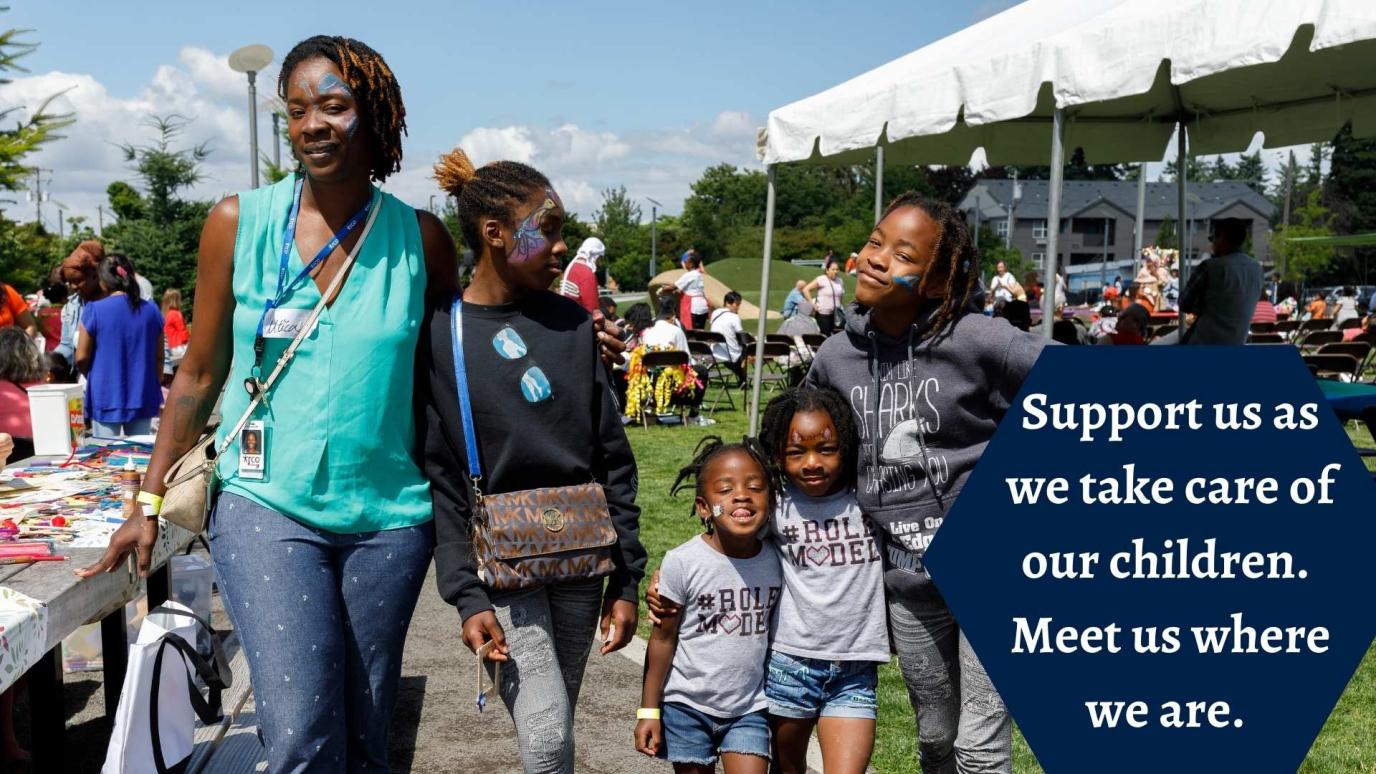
493 190
778 416
374 87
954 254
713 446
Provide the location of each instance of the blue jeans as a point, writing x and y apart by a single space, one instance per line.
322 618
962 724
121 429
800 687
691 736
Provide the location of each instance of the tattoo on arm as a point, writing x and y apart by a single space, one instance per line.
187 419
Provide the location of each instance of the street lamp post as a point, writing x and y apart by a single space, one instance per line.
250 59
654 236
276 139
1012 205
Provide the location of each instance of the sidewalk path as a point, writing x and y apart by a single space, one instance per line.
437 729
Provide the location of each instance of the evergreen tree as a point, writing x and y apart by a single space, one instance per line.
159 229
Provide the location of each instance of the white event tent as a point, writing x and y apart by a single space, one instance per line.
1114 77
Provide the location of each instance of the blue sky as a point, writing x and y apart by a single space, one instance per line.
596 94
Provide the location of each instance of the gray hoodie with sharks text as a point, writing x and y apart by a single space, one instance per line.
925 412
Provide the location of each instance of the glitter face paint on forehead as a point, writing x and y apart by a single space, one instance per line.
331 84
529 237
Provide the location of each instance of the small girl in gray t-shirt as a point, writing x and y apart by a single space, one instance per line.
703 693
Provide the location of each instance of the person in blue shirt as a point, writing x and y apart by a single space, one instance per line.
120 351
795 297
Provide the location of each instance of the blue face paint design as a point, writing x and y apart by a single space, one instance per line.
909 281
529 238
305 86
330 84
509 344
534 386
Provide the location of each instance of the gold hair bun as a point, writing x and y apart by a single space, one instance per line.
454 170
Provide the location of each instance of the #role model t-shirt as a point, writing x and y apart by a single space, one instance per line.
723 635
832 606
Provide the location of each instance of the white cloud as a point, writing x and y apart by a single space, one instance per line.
658 163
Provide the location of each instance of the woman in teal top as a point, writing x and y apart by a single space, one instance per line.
321 543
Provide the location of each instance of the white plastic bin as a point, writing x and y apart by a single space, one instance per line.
58 412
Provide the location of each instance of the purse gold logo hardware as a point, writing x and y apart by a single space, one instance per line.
553 519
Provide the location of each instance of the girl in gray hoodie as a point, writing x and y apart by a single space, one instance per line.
928 378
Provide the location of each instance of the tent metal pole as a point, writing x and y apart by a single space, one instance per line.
1184 235
1138 236
878 182
756 377
1053 222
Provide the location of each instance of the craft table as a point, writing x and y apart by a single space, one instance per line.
43 602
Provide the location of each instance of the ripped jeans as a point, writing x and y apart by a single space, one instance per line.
549 631
962 724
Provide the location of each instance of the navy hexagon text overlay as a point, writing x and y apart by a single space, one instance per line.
1239 647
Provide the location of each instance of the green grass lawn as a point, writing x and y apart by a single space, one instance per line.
1347 744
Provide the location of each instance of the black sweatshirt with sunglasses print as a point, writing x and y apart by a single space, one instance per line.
544 416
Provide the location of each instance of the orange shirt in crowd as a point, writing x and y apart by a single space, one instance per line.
1318 309
12 305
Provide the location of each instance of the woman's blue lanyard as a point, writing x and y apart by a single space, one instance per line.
285 288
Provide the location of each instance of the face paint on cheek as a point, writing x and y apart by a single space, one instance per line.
909 281
351 128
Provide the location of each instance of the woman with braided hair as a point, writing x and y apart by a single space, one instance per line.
322 538
928 378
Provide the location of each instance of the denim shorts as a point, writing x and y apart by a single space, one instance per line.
799 687
691 736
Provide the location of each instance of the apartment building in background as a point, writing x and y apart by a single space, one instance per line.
1098 218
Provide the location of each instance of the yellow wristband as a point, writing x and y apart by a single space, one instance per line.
647 713
154 502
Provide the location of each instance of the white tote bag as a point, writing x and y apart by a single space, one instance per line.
159 703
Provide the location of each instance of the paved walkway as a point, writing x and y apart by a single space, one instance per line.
436 728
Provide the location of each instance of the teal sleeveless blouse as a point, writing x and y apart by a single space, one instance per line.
339 428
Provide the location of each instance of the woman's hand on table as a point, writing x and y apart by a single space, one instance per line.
135 534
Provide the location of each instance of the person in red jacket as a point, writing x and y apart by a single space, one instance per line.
580 278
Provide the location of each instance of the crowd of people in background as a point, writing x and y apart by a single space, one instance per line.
93 322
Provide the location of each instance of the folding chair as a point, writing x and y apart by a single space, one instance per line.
1265 338
1288 328
1263 327
1351 322
1312 341
814 340
775 375
1362 350
1332 366
655 361
718 375
1309 326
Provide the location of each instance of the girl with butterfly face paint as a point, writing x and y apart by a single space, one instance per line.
928 379
543 415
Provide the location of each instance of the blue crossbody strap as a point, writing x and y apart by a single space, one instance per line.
470 438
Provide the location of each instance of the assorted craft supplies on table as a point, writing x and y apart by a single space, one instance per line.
46 504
